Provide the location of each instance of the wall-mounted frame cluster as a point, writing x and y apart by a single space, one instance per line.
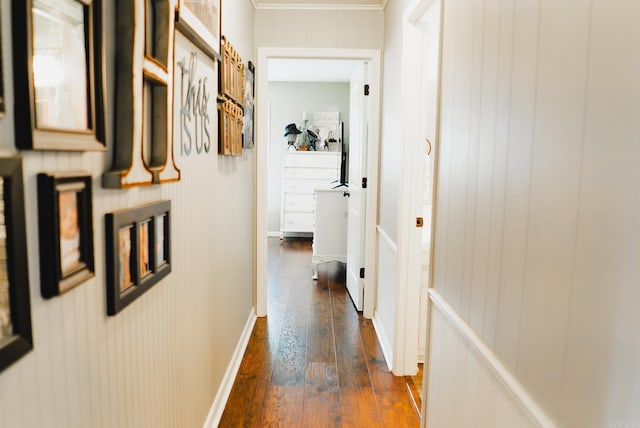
58 74
15 307
65 217
138 252
230 101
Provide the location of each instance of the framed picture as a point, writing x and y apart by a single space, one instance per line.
138 252
58 74
248 126
200 21
66 231
2 105
15 308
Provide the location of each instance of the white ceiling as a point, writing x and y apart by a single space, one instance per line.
319 4
311 70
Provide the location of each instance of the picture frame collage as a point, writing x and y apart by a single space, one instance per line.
59 86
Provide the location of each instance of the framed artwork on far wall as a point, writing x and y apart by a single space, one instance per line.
58 74
200 21
65 218
2 103
15 307
138 252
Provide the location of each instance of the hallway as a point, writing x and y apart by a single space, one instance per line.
314 361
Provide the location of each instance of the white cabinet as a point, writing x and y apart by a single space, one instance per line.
302 172
330 230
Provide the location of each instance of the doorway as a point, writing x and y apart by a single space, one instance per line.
262 159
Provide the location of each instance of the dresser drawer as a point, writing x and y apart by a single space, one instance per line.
303 186
298 202
311 173
312 160
297 222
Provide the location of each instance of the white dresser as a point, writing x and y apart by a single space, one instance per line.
330 230
302 172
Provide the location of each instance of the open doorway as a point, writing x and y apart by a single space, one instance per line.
263 158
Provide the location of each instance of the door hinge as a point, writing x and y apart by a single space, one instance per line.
361 273
419 222
366 90
364 182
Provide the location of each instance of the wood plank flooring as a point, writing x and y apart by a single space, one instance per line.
314 361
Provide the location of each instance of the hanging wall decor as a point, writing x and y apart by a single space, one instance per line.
2 104
65 217
143 151
138 252
248 125
230 101
58 74
200 21
195 94
15 308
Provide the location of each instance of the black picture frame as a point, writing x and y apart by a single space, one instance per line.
136 260
2 102
19 341
67 115
65 220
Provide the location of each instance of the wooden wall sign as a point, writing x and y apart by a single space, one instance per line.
231 98
143 147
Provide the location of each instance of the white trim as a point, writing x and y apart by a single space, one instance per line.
219 403
308 6
387 240
373 57
387 349
512 386
274 234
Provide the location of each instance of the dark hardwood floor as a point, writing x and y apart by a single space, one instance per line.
314 361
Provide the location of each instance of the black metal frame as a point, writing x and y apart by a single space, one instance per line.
117 300
29 136
53 280
17 270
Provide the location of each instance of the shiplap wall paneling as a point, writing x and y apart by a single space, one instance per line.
535 206
160 361
464 391
319 28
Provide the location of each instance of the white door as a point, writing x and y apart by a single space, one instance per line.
429 53
358 117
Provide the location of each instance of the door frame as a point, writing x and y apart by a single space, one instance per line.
373 56
409 246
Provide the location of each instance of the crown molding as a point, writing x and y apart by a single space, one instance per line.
308 6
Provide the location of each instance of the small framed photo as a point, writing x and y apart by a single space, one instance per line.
138 252
2 104
15 308
200 21
58 74
66 231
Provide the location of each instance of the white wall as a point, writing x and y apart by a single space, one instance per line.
160 362
390 148
538 223
287 100
319 28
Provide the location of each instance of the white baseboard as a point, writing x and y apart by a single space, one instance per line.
217 408
502 374
273 234
387 350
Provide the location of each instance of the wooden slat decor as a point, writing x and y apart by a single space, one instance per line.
230 108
